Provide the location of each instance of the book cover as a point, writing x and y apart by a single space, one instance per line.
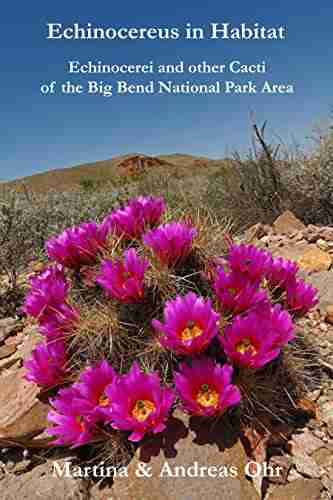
166 248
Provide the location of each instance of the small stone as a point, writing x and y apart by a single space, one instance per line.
287 223
323 327
315 260
323 457
304 444
322 244
294 475
298 490
326 413
7 350
329 314
7 326
306 466
327 234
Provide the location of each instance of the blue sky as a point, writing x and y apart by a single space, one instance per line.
44 132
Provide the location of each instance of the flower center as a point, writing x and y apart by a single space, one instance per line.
142 409
80 422
246 346
232 291
191 331
207 396
103 400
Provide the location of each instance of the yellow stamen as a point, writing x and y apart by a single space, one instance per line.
246 346
103 400
207 396
191 331
142 409
79 420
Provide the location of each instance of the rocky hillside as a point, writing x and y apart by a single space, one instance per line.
109 170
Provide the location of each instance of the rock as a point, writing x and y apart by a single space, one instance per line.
327 233
7 350
306 466
312 233
201 447
323 245
287 223
284 463
304 444
328 485
326 413
315 260
323 281
323 457
21 413
41 483
291 251
7 326
31 338
329 314
257 232
300 489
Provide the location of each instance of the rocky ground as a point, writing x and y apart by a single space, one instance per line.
305 456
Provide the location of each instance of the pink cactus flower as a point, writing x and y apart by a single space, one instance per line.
78 245
153 208
281 273
71 426
301 297
250 261
57 322
190 324
92 386
172 242
124 279
276 320
47 365
139 403
236 293
248 343
47 290
205 387
131 220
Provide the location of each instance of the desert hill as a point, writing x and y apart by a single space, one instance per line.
112 170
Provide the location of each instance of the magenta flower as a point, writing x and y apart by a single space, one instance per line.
281 273
236 293
139 403
248 343
205 387
301 297
124 279
250 261
131 220
276 320
47 365
78 245
171 242
92 386
190 324
59 321
48 289
152 209
71 426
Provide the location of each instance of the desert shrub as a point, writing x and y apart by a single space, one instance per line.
309 182
249 189
140 317
28 220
